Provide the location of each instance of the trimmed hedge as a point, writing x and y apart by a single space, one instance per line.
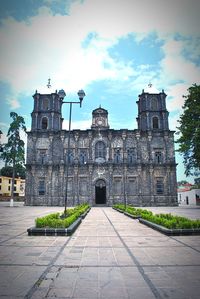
167 220
56 220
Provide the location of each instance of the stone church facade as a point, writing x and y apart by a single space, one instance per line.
105 166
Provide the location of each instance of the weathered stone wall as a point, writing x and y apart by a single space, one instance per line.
46 161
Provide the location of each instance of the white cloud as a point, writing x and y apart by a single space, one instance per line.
50 45
14 103
114 18
80 124
176 100
175 66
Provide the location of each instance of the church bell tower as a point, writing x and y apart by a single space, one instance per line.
46 114
152 112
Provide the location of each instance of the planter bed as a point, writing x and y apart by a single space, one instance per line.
127 214
57 231
132 216
40 231
85 213
159 227
171 232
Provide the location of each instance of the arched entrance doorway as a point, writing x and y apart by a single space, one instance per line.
100 192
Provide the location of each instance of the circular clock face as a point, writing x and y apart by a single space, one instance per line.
99 122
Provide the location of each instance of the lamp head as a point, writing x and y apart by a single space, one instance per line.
61 94
81 95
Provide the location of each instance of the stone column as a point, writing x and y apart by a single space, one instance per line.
76 185
90 145
109 145
151 181
50 187
138 147
91 199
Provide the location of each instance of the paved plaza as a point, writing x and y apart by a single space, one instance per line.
110 256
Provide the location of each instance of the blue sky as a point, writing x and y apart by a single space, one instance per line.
111 49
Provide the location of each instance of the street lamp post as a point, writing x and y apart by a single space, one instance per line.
62 94
124 170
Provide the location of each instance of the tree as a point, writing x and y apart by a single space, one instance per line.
183 182
13 150
8 171
189 130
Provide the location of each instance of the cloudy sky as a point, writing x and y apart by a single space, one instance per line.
110 48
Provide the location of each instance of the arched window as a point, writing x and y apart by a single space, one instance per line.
83 157
70 156
44 123
100 150
45 104
117 155
131 155
154 104
158 157
155 122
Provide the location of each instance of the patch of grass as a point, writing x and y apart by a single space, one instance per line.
56 220
167 220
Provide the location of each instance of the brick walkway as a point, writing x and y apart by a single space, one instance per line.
110 256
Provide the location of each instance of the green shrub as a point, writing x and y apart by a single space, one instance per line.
167 220
56 220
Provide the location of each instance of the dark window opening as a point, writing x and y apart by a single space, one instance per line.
44 123
70 156
155 123
117 156
41 187
159 186
158 157
131 155
100 150
83 157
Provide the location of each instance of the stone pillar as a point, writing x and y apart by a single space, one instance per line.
124 166
76 185
166 146
91 199
109 145
110 185
33 187
151 182
138 147
149 140
139 170
90 145
50 187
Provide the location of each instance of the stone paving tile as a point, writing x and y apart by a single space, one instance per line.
150 241
122 257
166 256
17 280
109 256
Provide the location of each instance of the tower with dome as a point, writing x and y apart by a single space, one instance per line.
105 166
